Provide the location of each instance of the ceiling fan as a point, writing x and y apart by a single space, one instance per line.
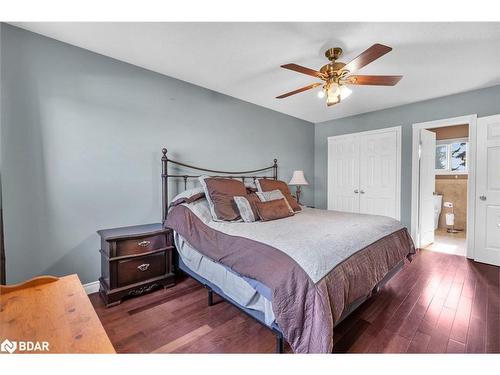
337 74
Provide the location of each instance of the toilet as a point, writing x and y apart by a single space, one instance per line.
438 202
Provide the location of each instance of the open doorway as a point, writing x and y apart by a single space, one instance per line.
450 189
443 185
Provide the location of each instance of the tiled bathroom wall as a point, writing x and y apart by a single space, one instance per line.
453 190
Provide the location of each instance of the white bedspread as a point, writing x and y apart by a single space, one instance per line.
317 240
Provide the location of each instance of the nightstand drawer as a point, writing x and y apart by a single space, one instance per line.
140 245
135 260
134 270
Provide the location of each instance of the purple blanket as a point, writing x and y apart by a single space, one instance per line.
305 311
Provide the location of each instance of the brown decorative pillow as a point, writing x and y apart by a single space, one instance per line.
273 210
266 196
222 192
264 184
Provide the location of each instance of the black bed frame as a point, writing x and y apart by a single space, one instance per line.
250 175
243 175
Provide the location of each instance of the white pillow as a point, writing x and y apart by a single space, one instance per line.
188 193
245 209
252 184
257 185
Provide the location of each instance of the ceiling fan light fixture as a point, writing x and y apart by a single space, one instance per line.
336 74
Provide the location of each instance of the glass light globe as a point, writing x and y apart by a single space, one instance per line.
345 92
333 94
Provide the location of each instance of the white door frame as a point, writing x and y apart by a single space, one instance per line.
396 129
471 120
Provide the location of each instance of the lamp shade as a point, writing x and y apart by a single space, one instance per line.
298 178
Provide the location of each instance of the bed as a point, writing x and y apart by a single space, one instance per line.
299 276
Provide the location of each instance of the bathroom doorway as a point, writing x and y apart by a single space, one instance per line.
443 183
450 189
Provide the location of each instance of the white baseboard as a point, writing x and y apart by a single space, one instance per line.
92 287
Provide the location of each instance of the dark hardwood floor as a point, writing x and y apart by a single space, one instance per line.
437 304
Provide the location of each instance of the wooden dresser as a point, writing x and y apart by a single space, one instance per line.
135 260
50 315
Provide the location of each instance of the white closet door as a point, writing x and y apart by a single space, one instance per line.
343 173
427 186
487 241
379 173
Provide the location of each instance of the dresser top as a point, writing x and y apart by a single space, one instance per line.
58 312
132 231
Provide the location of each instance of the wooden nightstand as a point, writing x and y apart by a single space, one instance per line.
135 260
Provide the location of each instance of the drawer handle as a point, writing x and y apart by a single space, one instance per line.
143 267
144 243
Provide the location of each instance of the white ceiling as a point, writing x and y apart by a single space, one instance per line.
242 59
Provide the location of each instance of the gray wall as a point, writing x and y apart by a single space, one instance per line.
81 141
483 102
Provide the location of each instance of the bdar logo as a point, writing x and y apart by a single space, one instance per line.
24 346
8 346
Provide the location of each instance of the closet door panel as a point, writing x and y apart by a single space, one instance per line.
343 174
378 173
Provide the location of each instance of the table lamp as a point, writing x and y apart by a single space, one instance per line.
298 180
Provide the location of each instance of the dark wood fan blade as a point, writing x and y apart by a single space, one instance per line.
371 54
299 90
373 80
303 70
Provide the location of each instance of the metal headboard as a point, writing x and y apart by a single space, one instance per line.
243 175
